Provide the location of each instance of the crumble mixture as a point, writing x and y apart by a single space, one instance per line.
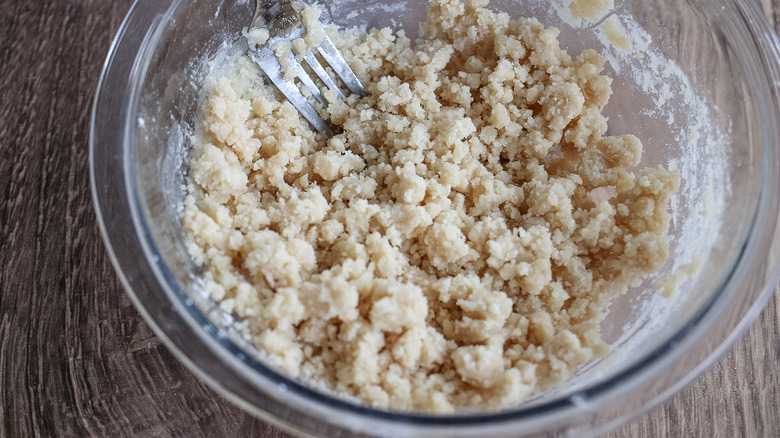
448 248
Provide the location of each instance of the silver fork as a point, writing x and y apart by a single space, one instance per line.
284 24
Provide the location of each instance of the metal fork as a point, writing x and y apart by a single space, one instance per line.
284 24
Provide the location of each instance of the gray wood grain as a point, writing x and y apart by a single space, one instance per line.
76 359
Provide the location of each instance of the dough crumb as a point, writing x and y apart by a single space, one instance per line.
256 35
591 9
615 33
669 285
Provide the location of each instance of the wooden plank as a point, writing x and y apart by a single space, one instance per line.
76 359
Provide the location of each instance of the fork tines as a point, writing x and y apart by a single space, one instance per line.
265 57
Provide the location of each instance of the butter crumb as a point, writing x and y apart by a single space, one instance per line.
669 285
616 34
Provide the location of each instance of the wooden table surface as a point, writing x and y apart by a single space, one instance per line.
76 359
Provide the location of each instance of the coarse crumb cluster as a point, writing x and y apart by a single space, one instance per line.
446 249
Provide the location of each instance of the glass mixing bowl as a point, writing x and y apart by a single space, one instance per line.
700 89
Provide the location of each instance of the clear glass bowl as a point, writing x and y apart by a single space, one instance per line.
703 98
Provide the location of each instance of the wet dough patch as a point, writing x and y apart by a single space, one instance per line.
590 9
